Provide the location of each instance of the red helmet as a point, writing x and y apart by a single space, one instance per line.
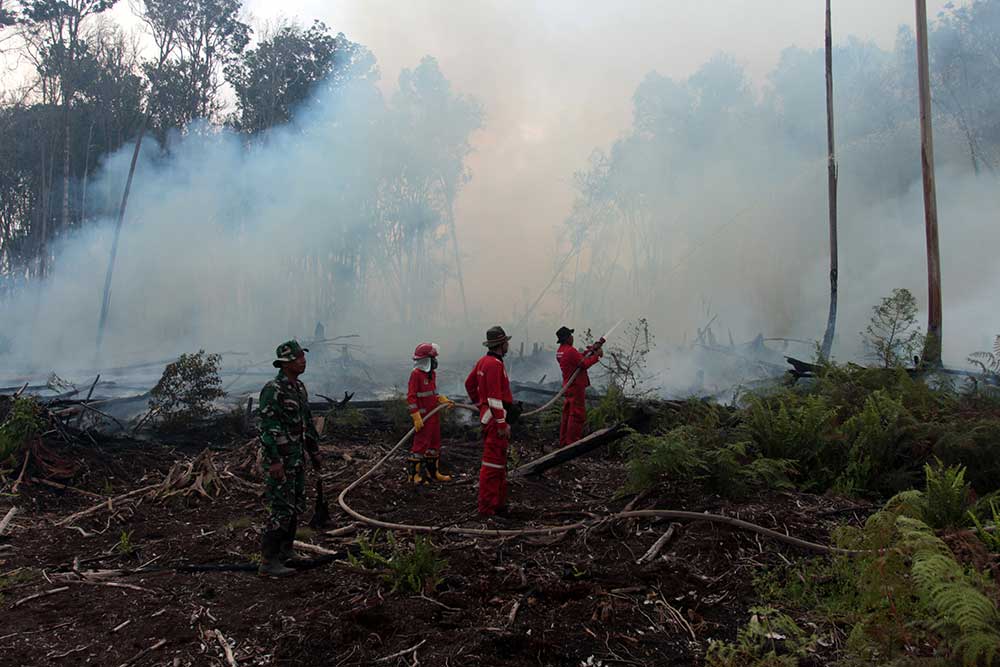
425 350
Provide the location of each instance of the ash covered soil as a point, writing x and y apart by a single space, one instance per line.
574 599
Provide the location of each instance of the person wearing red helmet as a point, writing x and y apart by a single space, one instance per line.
489 387
574 414
421 398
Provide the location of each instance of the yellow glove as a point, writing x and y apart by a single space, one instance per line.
446 401
418 421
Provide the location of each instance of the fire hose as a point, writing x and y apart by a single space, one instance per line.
558 529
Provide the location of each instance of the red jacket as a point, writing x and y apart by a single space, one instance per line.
488 387
421 395
570 359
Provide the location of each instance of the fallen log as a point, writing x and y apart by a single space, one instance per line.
579 448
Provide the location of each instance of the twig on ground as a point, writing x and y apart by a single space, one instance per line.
41 595
143 652
402 653
437 602
658 545
66 487
120 626
113 584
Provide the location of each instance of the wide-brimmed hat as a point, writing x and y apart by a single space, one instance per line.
287 351
495 336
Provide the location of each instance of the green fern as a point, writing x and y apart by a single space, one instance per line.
947 496
652 459
990 538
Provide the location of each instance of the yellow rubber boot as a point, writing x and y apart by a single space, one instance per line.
431 465
414 474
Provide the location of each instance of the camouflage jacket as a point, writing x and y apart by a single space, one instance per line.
286 423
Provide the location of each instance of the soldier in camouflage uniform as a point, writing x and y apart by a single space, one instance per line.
287 432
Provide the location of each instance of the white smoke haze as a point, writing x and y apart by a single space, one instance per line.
215 249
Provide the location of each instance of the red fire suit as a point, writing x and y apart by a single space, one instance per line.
574 414
422 397
488 387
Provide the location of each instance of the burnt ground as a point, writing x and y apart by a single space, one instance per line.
577 599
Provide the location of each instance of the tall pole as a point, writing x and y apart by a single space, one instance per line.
106 302
831 160
932 346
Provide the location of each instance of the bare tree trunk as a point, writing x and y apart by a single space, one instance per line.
66 164
86 173
106 302
831 322
458 257
932 347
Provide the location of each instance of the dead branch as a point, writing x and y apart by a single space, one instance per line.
66 487
109 504
24 468
11 513
89 394
658 545
120 626
87 406
112 584
135 658
226 648
41 595
402 653
152 411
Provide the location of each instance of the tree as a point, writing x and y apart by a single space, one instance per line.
56 29
195 38
892 335
289 66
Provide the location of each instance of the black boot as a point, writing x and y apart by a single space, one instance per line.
286 552
270 561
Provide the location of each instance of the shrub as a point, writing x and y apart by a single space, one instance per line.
652 459
24 422
613 408
892 335
769 639
974 444
800 429
880 457
416 570
187 388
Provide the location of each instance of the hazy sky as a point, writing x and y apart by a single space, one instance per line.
556 78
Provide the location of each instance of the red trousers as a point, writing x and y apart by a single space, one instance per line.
493 473
428 439
574 416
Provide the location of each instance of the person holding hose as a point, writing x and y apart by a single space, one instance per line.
421 398
574 413
489 388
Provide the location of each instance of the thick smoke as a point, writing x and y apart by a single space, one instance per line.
711 204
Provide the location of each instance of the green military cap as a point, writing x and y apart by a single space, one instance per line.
287 351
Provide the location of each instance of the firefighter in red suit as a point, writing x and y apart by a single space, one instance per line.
574 414
489 387
421 398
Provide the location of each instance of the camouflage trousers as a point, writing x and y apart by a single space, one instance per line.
286 499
